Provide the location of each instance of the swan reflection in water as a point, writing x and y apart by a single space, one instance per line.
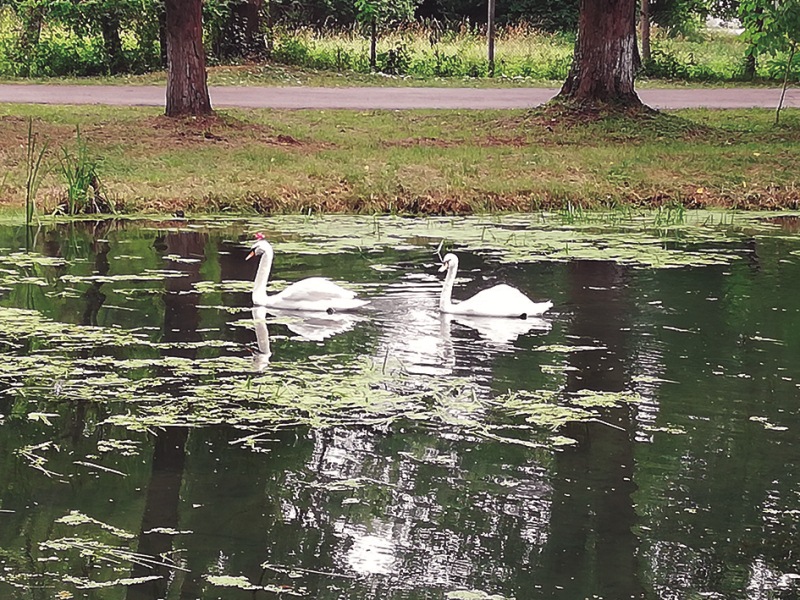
310 326
262 352
499 331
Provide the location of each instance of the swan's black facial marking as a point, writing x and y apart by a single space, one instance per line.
523 316
330 311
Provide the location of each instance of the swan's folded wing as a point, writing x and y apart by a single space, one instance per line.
502 294
315 289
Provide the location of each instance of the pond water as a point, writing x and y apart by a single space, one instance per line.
161 439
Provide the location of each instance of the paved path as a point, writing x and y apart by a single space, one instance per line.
365 98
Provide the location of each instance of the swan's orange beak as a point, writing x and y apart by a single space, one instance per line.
250 255
443 267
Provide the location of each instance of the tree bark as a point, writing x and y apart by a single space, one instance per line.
606 57
187 84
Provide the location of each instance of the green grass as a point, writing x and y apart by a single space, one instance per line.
411 161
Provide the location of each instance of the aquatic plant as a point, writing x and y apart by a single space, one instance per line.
33 175
84 192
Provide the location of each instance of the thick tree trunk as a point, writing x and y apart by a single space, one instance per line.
606 57
187 85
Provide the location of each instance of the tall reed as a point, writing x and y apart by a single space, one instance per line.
33 174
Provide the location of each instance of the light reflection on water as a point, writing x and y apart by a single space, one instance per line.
692 491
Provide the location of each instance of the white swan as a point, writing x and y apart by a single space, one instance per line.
498 301
311 294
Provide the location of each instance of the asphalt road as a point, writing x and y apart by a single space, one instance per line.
397 98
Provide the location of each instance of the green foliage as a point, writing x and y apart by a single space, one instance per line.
549 15
680 17
408 51
771 27
83 184
385 12
68 37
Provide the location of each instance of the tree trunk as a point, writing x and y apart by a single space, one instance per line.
645 25
750 65
187 85
270 45
606 57
750 60
112 44
32 16
162 34
490 35
373 43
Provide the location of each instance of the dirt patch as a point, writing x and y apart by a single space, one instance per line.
552 122
216 129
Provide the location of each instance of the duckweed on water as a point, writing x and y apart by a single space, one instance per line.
472 595
76 518
153 390
167 391
698 239
241 582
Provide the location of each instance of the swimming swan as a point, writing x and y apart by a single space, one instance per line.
310 294
498 301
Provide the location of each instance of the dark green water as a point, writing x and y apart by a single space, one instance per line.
382 456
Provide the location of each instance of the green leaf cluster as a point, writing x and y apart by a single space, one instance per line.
771 27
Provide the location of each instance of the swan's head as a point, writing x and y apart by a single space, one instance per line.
449 261
261 246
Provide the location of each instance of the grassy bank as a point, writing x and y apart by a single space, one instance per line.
438 162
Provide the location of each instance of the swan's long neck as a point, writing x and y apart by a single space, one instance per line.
445 300
262 275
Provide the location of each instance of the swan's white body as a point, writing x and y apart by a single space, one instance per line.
315 294
498 301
